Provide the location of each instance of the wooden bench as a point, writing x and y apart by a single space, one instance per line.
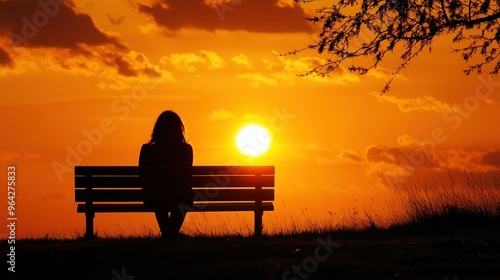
115 189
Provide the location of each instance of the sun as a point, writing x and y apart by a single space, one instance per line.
253 140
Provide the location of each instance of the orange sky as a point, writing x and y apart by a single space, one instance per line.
336 140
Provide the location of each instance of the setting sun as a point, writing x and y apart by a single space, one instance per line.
253 140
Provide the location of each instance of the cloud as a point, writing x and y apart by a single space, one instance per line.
124 68
389 165
405 140
350 155
221 115
272 16
8 155
193 62
422 103
397 164
298 64
115 71
38 24
48 35
214 60
148 28
129 68
418 157
467 161
135 64
492 158
112 84
402 156
288 69
242 60
385 74
256 79
5 58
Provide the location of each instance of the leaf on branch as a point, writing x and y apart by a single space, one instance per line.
485 6
328 23
423 17
400 6
496 68
497 35
454 7
429 4
433 26
314 20
484 47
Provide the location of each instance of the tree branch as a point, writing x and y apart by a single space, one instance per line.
470 23
407 26
444 11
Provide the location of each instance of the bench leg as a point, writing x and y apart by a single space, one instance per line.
89 225
258 223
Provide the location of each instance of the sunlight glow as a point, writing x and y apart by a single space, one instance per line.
253 140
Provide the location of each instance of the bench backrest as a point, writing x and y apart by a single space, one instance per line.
94 184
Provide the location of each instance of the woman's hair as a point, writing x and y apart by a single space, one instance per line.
168 129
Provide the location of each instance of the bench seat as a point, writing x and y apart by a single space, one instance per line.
117 189
197 207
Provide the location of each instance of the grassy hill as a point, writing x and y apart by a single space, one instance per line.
469 250
450 232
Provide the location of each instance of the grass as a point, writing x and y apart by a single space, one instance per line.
447 231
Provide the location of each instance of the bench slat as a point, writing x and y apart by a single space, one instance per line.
197 181
195 170
106 189
198 207
118 195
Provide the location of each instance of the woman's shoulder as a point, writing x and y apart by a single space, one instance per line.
146 147
146 155
186 148
151 149
155 147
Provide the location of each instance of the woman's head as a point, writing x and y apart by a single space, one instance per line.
168 129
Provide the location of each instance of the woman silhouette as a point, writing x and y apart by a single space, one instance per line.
166 192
